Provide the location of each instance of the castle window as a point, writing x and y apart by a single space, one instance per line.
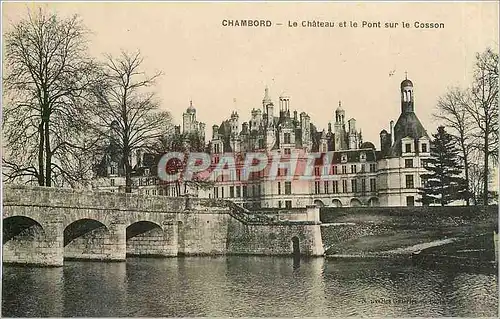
288 188
335 187
424 148
335 170
363 185
409 163
316 187
344 186
316 171
354 186
287 138
343 158
112 182
407 148
245 191
373 184
288 151
410 201
288 204
279 188
373 167
363 168
362 157
222 192
279 204
327 188
344 169
409 181
112 170
238 191
231 191
353 169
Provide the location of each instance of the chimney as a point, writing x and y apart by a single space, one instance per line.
215 132
392 132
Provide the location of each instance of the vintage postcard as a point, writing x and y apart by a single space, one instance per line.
250 159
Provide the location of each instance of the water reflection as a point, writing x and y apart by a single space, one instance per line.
246 286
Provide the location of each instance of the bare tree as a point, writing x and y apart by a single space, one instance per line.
483 109
452 112
47 77
129 109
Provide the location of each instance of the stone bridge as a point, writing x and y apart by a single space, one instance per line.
44 226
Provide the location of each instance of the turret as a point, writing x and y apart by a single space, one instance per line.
339 114
407 97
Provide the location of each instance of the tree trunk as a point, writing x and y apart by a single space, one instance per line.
41 168
128 171
466 171
48 155
485 172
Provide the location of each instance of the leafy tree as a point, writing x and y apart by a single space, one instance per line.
442 183
48 76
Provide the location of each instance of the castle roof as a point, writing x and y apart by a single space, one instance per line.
408 125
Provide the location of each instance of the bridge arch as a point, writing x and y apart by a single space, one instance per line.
21 228
140 227
146 238
86 238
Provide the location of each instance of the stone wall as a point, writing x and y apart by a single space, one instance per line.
274 239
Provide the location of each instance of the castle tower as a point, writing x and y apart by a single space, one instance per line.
406 96
234 123
340 137
189 119
339 114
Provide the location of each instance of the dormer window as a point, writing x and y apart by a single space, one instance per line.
424 147
343 158
146 171
362 157
408 148
287 138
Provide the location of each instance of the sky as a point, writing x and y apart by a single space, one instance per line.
222 69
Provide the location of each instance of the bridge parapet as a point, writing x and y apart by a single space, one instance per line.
21 195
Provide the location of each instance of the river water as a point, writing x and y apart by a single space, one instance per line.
246 286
